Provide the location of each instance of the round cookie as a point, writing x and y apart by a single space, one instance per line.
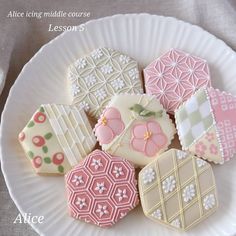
178 190
95 78
56 138
135 127
101 189
206 125
174 77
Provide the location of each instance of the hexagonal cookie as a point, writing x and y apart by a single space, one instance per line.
135 127
56 138
206 125
102 189
174 77
96 77
178 190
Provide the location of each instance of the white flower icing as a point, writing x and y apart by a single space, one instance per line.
209 201
96 54
90 80
84 105
118 171
100 187
77 180
106 69
75 89
134 74
102 210
200 162
149 175
121 194
81 202
168 185
176 223
80 63
118 84
157 214
124 59
100 94
181 154
96 163
188 193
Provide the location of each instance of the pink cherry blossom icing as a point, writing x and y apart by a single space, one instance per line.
109 125
148 138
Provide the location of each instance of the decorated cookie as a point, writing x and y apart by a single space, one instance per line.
178 190
206 125
174 77
135 127
102 189
56 138
97 77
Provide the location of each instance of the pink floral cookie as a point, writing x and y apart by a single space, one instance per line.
102 189
56 138
206 125
135 127
174 77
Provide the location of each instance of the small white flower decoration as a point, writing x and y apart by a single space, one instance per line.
107 69
96 163
81 202
78 180
188 193
168 185
90 80
200 162
124 59
102 210
71 76
96 54
134 74
101 94
117 171
181 154
149 175
75 89
81 63
117 84
209 201
122 214
157 214
176 223
121 194
100 187
84 105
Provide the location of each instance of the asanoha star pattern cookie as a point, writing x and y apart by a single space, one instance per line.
95 78
178 190
175 76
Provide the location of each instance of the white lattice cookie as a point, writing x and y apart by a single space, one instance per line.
135 127
96 77
178 190
206 125
175 76
56 138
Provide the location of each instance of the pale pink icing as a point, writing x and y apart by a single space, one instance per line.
174 77
116 196
224 108
148 138
109 125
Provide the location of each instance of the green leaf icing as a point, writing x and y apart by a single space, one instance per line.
31 154
61 169
48 136
47 160
41 109
45 149
30 124
144 112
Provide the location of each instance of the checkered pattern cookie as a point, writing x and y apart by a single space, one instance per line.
178 190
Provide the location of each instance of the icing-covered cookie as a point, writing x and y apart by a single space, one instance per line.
135 127
174 77
102 189
56 138
206 125
178 190
97 77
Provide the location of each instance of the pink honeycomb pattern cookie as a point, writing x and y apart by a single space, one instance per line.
102 189
174 77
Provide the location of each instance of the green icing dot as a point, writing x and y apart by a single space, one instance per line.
31 154
45 149
48 135
61 169
47 160
41 109
30 124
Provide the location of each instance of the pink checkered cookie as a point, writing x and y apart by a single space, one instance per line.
206 125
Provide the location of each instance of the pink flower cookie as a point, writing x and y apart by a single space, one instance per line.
102 189
174 77
206 125
135 127
56 138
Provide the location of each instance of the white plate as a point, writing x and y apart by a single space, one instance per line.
43 80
